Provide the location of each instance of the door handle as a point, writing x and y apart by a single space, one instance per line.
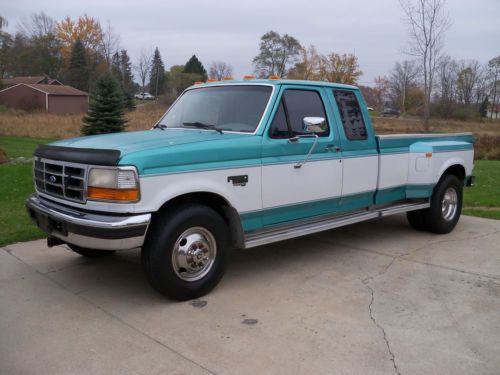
332 148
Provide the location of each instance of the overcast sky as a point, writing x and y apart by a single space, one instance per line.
229 30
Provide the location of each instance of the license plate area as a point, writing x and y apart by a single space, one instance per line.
48 224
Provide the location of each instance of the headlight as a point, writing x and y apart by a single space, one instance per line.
113 184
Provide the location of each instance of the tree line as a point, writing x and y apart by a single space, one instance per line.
429 82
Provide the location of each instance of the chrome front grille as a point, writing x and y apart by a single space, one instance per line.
60 179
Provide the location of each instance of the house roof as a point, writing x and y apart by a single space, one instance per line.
53 89
25 79
58 90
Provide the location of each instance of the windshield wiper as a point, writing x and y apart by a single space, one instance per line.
202 125
160 126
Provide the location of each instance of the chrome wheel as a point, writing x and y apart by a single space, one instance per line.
194 254
449 204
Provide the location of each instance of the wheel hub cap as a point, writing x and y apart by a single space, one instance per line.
450 204
194 254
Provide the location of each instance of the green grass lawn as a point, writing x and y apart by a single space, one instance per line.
20 146
16 184
484 198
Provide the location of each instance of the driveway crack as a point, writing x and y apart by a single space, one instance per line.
366 282
381 328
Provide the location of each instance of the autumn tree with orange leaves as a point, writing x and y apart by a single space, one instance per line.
86 29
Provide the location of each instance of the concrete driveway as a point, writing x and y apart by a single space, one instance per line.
372 298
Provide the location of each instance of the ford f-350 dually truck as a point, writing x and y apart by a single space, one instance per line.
238 164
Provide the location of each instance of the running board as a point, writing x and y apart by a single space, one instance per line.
302 228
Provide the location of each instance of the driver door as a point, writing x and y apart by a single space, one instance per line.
290 192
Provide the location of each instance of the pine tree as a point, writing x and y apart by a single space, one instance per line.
115 67
78 73
195 66
127 80
121 69
483 108
106 108
157 75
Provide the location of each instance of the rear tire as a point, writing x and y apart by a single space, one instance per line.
184 256
446 205
90 253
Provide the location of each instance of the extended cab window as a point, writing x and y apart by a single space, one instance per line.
350 114
294 106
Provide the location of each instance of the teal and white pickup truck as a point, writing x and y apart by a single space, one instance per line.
242 164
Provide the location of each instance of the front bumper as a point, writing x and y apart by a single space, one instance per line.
89 230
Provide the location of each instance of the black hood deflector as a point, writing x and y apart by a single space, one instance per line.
93 156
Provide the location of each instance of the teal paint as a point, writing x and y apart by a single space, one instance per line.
419 191
391 194
259 219
292 212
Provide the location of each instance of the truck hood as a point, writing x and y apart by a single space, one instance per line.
175 150
130 142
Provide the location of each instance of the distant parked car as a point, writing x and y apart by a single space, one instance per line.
389 112
139 95
147 96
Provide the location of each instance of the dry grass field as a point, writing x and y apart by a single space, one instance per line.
43 125
487 133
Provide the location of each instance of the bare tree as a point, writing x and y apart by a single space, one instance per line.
494 76
143 66
309 65
110 43
468 78
427 22
401 79
37 25
219 69
3 22
381 92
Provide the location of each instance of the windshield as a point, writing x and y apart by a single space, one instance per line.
231 108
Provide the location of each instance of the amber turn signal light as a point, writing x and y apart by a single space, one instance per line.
274 77
228 78
109 194
199 83
211 80
248 77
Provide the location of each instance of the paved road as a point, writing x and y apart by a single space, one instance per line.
372 298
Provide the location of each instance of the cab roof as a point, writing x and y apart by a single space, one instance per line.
276 82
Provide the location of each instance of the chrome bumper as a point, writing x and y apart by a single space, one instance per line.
89 230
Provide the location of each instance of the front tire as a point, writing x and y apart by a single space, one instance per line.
184 256
90 253
416 219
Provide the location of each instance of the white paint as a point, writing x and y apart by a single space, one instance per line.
359 174
393 170
282 184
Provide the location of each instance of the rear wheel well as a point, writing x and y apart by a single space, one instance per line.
456 170
215 202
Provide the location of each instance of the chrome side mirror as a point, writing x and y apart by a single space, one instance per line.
315 125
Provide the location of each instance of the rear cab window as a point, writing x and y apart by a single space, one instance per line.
350 115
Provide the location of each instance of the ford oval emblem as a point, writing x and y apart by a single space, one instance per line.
53 179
